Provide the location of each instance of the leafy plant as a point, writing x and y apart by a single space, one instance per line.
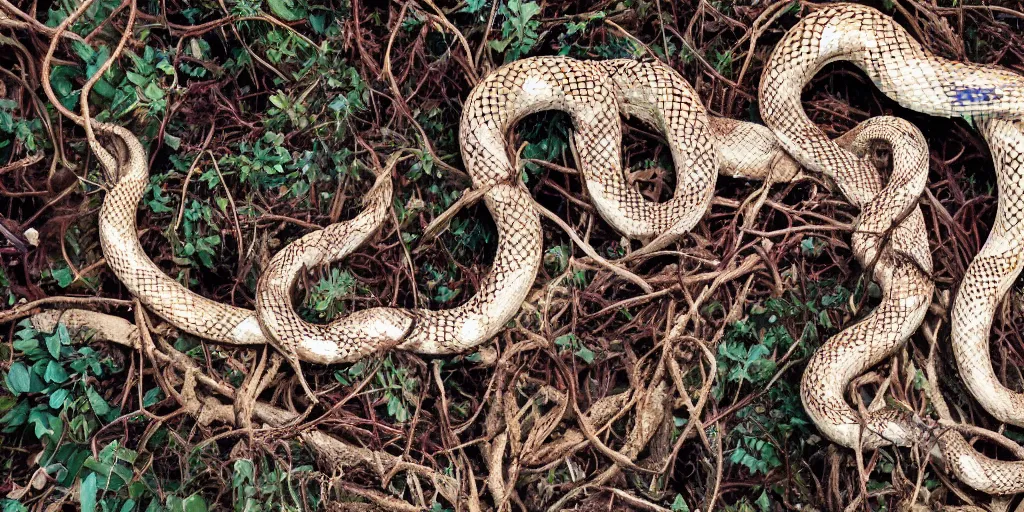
548 140
53 400
573 344
519 30
13 128
198 248
393 386
327 298
748 355
439 283
265 486
50 383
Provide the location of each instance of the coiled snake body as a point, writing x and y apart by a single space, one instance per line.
591 93
918 80
595 94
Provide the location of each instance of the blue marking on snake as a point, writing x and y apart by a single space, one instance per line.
965 95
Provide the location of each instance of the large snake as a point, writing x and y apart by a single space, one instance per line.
592 93
918 80
595 94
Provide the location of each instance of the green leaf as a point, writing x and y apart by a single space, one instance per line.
194 503
58 397
474 6
104 89
284 10
84 51
63 276
16 416
40 418
63 334
566 340
152 397
172 141
7 403
165 66
318 22
53 344
763 503
26 345
87 494
585 354
500 46
136 78
55 373
18 380
12 506
153 91
679 505
280 100
99 405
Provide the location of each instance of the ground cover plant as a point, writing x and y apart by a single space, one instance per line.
265 120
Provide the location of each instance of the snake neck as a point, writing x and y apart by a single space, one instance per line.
125 256
903 69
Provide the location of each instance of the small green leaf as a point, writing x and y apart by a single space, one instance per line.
165 66
18 380
284 9
679 504
474 6
63 334
99 405
152 397
40 418
58 397
318 22
172 141
763 503
279 100
55 373
53 345
136 78
195 503
499 46
87 494
26 345
566 340
585 354
63 276
153 91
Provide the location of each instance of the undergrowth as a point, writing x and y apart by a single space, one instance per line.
262 120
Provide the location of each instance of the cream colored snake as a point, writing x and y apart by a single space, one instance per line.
592 93
918 80
595 95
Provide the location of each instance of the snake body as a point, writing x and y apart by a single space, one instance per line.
890 229
125 256
909 74
906 294
595 94
916 79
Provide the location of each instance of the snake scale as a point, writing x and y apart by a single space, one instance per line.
889 234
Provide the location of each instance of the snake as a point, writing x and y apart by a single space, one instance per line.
596 94
906 72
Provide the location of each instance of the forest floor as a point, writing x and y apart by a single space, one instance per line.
264 120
